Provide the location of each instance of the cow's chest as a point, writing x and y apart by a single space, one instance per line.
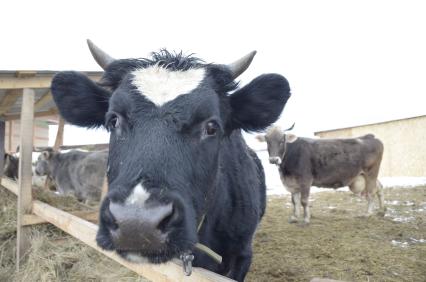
290 183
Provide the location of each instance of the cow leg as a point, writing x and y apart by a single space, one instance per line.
241 265
305 204
380 197
295 198
370 190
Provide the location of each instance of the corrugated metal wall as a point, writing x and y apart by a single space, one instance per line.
404 141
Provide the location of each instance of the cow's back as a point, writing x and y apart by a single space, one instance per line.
90 173
332 162
81 173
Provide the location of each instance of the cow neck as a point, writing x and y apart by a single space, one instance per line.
207 201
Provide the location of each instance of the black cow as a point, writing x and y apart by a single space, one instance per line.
11 166
177 156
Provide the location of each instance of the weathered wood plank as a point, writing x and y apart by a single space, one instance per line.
59 140
46 98
104 188
25 173
2 149
86 232
32 219
9 99
10 185
47 113
33 82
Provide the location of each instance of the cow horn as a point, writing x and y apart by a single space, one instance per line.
240 65
291 127
102 58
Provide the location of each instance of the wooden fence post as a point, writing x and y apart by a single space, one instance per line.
2 149
25 173
104 187
59 141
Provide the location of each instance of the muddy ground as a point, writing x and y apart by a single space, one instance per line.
339 243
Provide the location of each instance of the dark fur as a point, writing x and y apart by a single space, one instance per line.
11 166
168 149
76 173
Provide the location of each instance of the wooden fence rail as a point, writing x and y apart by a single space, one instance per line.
86 232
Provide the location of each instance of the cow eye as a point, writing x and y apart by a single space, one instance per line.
113 121
211 128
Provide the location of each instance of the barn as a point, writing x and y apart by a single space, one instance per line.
403 140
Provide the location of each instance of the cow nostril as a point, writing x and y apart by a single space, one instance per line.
167 220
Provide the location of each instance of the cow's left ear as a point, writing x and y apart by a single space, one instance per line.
259 104
80 100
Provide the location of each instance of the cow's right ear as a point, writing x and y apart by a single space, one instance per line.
80 100
290 138
261 137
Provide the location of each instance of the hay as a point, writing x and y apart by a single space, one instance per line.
66 203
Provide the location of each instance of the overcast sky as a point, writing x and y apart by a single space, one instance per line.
348 62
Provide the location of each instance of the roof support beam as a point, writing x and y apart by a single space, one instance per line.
47 113
34 82
9 99
46 98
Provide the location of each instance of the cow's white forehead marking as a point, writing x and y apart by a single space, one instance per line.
138 197
161 85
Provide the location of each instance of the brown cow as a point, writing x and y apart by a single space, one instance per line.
327 163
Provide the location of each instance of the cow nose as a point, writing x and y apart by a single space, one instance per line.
140 227
275 160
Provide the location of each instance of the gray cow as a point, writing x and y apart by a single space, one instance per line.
326 163
76 172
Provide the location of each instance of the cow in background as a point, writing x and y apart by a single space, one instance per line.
11 170
11 166
327 163
76 172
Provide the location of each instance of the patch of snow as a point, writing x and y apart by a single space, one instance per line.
403 219
410 241
393 203
399 244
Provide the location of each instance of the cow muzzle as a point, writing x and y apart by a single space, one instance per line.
141 228
275 160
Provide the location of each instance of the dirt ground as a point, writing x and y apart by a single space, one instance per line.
339 243
342 244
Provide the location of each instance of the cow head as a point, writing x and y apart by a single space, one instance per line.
277 140
168 117
42 166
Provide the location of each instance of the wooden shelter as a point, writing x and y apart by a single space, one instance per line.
25 96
